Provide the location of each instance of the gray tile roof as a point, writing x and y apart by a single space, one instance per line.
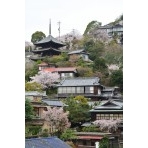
50 38
35 93
77 51
110 105
80 81
57 103
48 142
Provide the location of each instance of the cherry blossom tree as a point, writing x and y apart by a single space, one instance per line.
46 79
57 118
108 125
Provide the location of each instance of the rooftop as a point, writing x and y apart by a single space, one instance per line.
60 69
80 81
77 51
35 93
48 39
57 103
49 142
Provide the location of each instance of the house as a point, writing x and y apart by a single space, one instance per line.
109 109
44 65
35 96
88 139
112 29
89 87
54 102
64 72
77 54
110 92
48 142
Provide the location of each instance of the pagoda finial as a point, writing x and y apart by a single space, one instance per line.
50 27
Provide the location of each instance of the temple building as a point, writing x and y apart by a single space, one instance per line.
48 46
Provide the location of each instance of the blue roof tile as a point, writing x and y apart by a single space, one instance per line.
48 142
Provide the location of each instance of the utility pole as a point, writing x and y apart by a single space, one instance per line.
59 29
73 32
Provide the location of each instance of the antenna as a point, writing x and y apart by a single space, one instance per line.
59 29
49 26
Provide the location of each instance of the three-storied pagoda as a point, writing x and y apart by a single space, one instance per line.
48 46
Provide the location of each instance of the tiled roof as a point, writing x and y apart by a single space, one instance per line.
35 93
93 133
50 38
60 69
90 137
43 64
77 51
80 81
52 69
49 142
54 103
110 104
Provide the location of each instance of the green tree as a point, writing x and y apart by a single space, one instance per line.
68 134
33 87
29 114
78 110
91 25
31 72
104 142
100 65
37 36
116 79
84 71
91 128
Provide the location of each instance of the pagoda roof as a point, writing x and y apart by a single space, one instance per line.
46 49
50 39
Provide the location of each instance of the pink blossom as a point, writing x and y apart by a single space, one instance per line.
108 125
57 117
46 79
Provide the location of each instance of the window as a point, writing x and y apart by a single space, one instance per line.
92 143
98 117
84 142
60 90
120 116
115 116
99 92
89 89
68 89
80 89
73 90
107 117
64 90
111 116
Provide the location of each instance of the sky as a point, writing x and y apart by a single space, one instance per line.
73 14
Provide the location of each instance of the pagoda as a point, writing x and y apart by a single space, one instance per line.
49 46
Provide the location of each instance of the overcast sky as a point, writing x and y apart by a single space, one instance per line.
73 14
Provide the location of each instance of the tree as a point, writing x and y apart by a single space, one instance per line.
57 118
91 25
68 134
84 71
100 65
116 79
46 79
78 110
29 114
33 86
30 71
37 36
108 125
104 142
